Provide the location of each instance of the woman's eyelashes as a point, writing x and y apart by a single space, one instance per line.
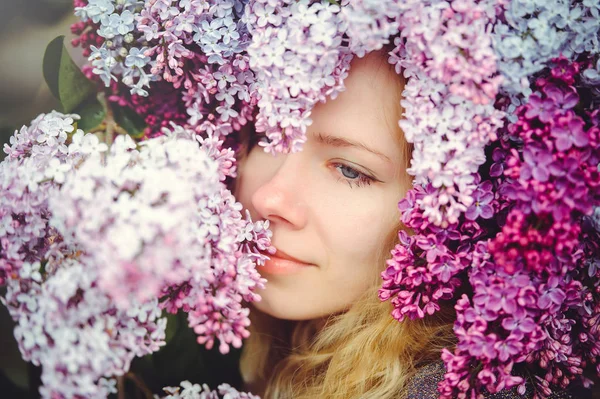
352 176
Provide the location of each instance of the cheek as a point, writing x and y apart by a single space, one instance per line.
356 229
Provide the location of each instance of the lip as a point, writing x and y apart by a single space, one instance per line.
281 263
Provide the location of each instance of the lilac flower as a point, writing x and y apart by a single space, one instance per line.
446 267
195 391
508 348
95 10
569 131
543 109
433 247
481 207
537 162
565 99
519 325
551 293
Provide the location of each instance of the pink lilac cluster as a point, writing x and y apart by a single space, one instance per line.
187 390
214 304
524 253
451 42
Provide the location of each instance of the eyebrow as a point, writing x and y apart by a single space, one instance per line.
335 141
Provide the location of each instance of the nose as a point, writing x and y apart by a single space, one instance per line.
280 198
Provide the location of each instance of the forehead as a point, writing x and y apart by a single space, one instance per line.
369 109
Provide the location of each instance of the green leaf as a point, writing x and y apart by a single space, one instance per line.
92 113
64 78
130 121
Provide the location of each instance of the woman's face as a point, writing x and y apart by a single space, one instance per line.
333 205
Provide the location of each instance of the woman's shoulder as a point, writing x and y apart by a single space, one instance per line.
425 382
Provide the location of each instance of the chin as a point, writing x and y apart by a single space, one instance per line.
282 310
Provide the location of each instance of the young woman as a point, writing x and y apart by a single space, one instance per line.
320 330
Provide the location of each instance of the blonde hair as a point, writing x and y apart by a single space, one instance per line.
360 353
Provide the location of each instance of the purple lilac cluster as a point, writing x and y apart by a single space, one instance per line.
445 49
187 390
525 252
425 267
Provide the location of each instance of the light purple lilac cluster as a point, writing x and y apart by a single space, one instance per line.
71 327
195 45
531 33
524 254
156 217
297 55
38 159
52 294
187 390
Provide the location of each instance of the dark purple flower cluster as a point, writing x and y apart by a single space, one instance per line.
425 266
525 253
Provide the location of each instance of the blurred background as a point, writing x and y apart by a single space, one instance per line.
26 27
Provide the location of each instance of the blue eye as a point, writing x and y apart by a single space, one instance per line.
352 176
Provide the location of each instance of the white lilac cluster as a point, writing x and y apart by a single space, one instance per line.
298 59
532 32
38 159
69 326
138 214
61 314
187 390
159 220
92 238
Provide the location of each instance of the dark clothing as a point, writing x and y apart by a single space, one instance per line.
424 386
